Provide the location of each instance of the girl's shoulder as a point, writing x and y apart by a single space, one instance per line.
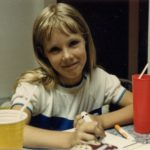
100 76
99 73
26 88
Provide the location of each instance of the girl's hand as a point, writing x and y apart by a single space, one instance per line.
87 131
84 132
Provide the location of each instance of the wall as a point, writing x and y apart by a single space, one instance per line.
16 56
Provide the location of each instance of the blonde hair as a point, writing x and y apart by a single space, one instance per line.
66 19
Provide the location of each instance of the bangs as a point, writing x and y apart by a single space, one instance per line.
64 25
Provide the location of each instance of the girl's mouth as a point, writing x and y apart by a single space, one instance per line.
71 66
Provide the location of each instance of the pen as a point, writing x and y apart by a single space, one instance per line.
123 132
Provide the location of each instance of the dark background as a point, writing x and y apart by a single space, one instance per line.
109 24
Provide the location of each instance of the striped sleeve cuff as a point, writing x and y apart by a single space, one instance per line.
22 101
118 97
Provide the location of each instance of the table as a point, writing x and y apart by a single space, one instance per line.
140 138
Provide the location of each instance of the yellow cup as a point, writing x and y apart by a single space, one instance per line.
12 123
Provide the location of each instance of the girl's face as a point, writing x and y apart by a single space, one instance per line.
67 55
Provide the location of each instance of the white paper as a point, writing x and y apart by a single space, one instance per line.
120 142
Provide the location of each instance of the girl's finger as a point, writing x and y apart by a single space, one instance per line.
80 124
84 137
76 120
87 127
91 128
99 132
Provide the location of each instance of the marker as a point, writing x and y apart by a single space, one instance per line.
123 132
86 117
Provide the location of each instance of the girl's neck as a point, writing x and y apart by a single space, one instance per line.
71 83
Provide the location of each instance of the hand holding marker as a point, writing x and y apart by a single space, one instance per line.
126 135
86 118
90 145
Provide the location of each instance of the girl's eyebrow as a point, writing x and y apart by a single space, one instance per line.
74 38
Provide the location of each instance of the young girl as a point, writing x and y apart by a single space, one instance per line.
67 82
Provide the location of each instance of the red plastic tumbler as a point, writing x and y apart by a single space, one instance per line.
141 103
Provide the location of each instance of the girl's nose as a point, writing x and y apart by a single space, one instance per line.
66 54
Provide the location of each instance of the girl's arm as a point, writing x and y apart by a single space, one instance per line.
122 116
42 138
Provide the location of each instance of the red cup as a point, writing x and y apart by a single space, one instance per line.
141 103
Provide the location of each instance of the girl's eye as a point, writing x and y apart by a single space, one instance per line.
54 50
74 43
